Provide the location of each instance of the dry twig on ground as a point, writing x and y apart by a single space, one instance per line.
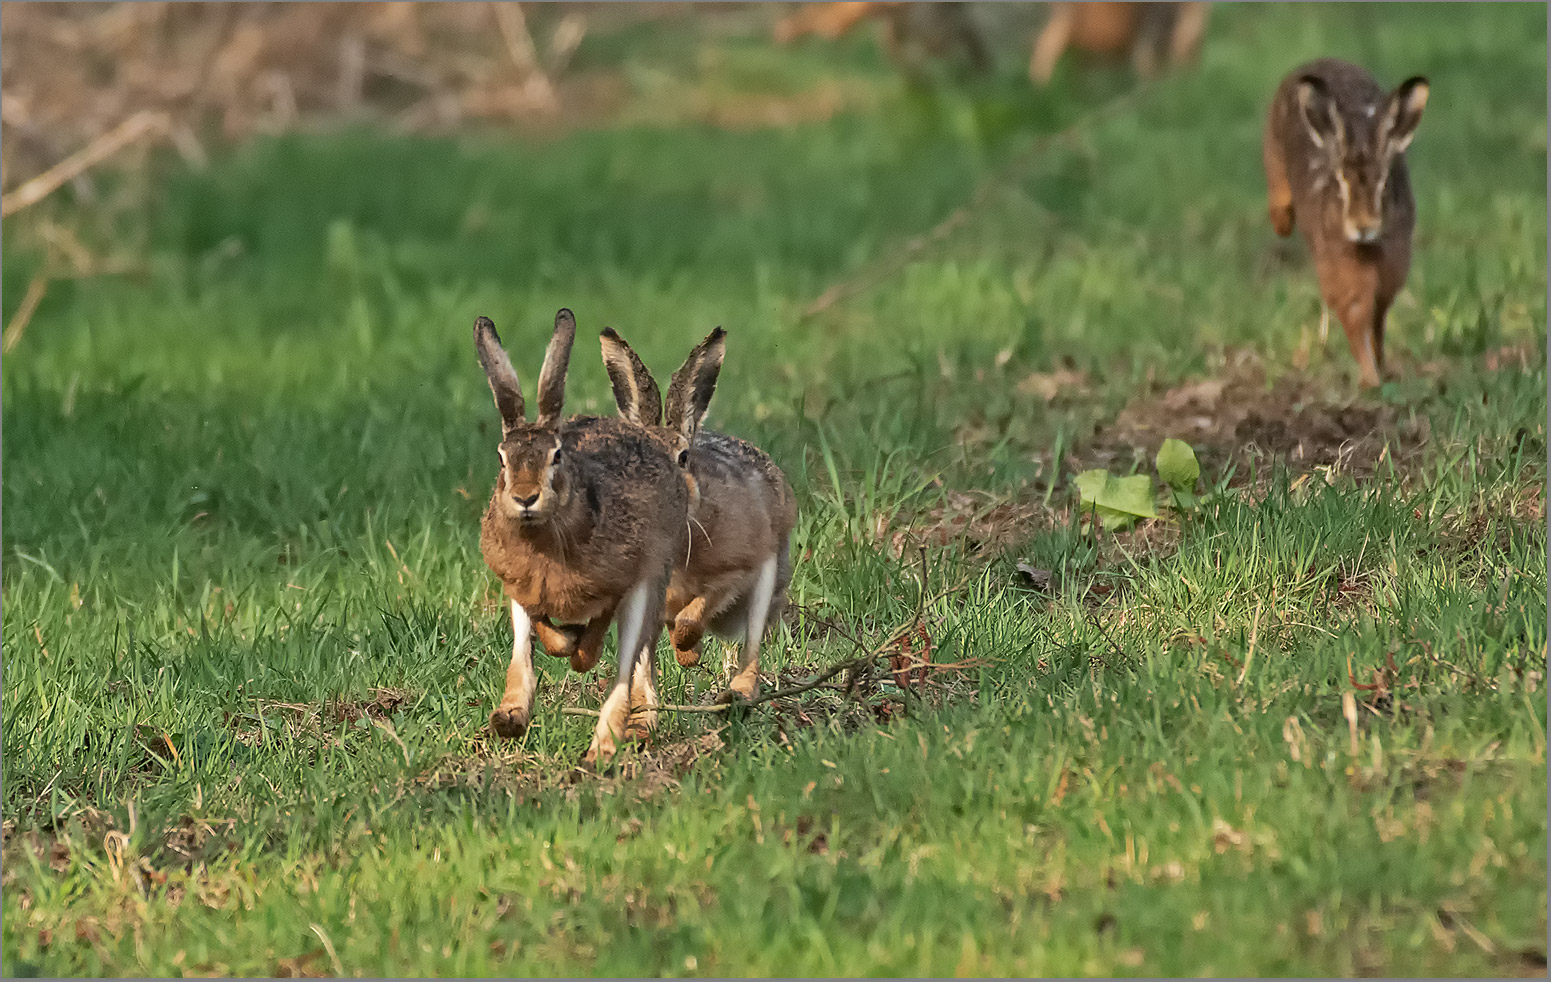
888 648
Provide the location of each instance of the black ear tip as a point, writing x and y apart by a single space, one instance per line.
485 326
610 333
718 334
564 315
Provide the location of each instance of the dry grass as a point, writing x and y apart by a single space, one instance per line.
73 72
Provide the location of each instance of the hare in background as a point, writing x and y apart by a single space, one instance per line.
1151 35
1334 154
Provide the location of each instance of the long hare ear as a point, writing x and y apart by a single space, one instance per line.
498 369
635 391
689 393
557 358
1402 115
1321 116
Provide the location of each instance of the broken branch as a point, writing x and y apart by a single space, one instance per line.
879 651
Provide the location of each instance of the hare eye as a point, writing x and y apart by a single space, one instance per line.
683 458
555 457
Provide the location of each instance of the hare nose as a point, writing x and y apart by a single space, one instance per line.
527 502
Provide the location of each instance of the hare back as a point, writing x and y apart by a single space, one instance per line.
746 512
624 523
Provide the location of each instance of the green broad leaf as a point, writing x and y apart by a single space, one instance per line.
1132 495
1177 465
1090 485
1118 501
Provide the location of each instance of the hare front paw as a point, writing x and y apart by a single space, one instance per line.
583 660
510 722
687 657
742 691
600 755
640 727
686 635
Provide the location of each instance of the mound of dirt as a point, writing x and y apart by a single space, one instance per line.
981 520
1243 414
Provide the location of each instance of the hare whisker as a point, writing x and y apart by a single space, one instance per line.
689 539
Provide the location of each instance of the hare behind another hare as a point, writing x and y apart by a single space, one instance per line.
584 526
1334 154
734 574
1151 34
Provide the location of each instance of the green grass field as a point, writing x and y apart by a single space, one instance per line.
251 647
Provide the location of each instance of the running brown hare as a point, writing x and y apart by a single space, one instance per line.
1334 154
584 525
732 578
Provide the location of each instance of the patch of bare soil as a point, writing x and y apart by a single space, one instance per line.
1244 415
382 705
645 770
193 840
983 522
177 848
74 70
312 964
49 850
316 723
657 768
1469 539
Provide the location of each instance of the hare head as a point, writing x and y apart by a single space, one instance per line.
1359 144
689 395
535 477
689 391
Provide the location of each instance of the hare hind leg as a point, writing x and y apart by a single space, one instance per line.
1051 43
733 622
510 719
559 641
708 607
745 682
643 694
640 616
1189 27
